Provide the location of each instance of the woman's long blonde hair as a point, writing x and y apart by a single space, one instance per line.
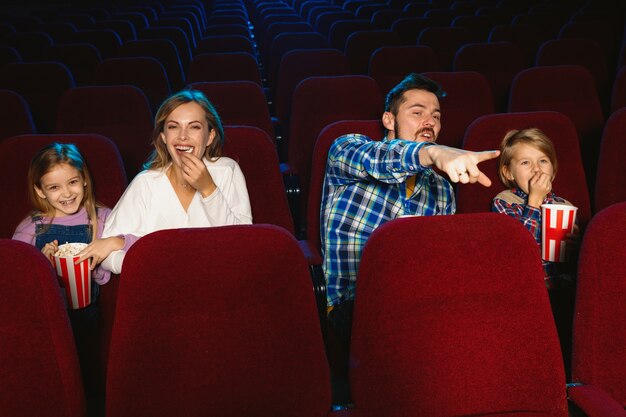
160 157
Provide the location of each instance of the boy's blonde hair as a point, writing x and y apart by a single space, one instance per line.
531 136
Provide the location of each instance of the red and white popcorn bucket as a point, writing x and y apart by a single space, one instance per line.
557 221
75 279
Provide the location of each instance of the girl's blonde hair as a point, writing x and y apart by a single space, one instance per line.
160 157
531 136
44 161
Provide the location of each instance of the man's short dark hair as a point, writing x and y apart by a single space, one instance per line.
413 81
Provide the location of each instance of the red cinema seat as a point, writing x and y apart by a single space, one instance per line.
120 112
80 58
297 65
609 187
527 37
475 337
256 154
370 128
340 30
585 52
144 72
224 43
598 387
162 50
618 91
389 65
38 359
218 345
228 96
467 97
289 41
15 118
486 58
571 90
362 44
487 132
41 84
445 41
102 157
317 102
224 66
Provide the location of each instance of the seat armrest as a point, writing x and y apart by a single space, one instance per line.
292 186
312 255
594 401
319 290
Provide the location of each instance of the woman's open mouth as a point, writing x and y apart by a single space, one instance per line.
185 149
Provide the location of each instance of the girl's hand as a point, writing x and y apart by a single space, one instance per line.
49 249
197 174
539 186
99 249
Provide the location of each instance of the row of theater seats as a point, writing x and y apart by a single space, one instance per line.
46 97
250 146
359 37
239 336
318 110
599 41
267 27
122 113
256 153
469 94
280 27
388 65
486 133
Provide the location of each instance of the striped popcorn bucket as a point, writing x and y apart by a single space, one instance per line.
557 221
75 280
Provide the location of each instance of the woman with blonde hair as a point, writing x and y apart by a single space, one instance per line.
186 181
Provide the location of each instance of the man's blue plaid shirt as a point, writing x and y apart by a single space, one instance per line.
364 187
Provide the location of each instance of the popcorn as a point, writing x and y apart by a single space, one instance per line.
70 249
74 278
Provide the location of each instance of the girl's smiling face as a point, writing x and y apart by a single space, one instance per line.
526 162
64 188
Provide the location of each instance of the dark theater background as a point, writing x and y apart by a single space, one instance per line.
452 318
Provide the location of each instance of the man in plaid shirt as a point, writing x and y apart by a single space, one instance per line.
370 182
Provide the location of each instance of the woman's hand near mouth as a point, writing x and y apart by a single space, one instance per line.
196 174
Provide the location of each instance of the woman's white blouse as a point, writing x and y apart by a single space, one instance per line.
150 204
